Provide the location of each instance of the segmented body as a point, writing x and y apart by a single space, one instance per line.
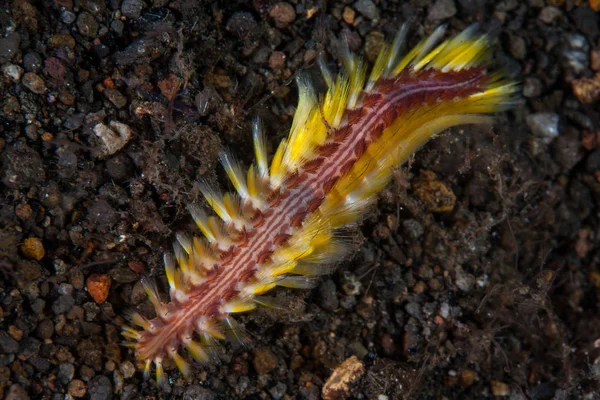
279 229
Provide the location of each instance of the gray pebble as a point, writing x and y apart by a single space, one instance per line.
45 329
278 391
464 281
67 17
87 24
195 392
115 97
544 125
442 9
549 14
66 372
414 309
8 345
14 72
413 229
117 27
9 46
241 24
328 293
22 166
532 87
29 347
368 9
100 388
63 305
32 61
96 7
132 8
101 215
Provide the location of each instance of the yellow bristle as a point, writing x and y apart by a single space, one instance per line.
182 365
201 221
214 200
238 306
197 351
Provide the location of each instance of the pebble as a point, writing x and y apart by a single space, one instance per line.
328 293
442 9
34 83
9 46
413 229
96 7
33 248
132 9
368 9
65 373
115 97
45 329
98 285
63 305
338 385
283 14
264 360
14 72
16 392
100 388
67 17
114 136
348 15
500 388
532 87
241 24
127 369
518 48
374 42
61 39
101 215
549 14
32 61
277 60
8 345
587 90
196 392
544 125
464 281
76 388
87 25
278 391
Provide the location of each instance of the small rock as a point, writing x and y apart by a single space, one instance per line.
349 15
544 125
15 332
264 360
114 137
532 87
374 42
8 345
45 329
278 391
500 388
339 383
61 39
283 13
65 373
63 305
127 369
277 60
196 392
33 248
549 14
328 293
464 281
98 285
16 392
34 83
242 24
368 9
518 47
67 17
101 215
32 61
96 7
587 90
87 25
132 9
9 46
442 9
115 97
100 388
431 191
76 388
14 72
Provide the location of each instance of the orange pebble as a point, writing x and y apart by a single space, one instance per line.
98 285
